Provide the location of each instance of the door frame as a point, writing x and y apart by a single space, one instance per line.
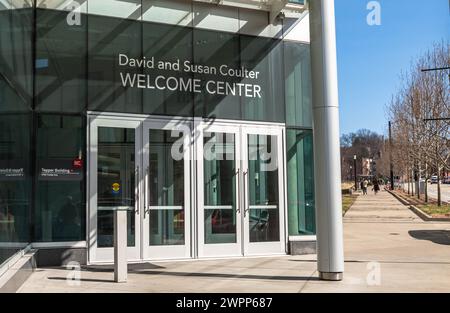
102 255
93 118
165 252
241 129
264 248
139 122
217 249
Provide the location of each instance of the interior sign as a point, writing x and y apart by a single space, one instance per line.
219 86
11 170
59 170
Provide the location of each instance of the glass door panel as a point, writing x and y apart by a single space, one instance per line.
167 189
219 183
263 188
116 182
114 165
219 216
264 200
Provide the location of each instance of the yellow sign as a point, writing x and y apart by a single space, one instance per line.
116 188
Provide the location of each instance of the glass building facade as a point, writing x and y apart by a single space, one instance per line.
59 62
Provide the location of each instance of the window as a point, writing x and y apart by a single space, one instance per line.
297 71
265 57
300 182
169 44
109 37
60 204
16 82
60 63
214 49
14 181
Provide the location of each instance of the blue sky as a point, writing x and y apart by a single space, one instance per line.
371 58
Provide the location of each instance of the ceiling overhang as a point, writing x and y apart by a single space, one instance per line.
274 7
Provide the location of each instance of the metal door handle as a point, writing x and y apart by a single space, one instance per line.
238 176
146 195
136 191
245 192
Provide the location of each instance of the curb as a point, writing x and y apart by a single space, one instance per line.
18 272
424 216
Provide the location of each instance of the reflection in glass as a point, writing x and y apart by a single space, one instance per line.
263 188
16 91
219 188
300 182
60 204
115 181
297 77
60 62
14 183
166 190
107 39
215 49
129 9
168 43
264 55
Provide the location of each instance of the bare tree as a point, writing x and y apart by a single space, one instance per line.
421 133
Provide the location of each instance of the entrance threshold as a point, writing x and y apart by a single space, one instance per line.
243 257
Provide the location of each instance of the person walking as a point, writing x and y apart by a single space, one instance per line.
365 185
376 186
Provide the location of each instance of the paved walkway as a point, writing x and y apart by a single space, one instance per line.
410 255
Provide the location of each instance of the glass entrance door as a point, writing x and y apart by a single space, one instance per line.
263 191
219 183
114 171
143 166
240 190
227 178
167 189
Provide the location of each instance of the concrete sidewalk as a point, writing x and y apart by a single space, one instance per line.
387 249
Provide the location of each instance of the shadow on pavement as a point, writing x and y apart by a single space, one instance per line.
87 280
195 274
441 237
110 268
224 275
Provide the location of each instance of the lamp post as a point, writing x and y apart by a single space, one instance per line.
391 166
354 170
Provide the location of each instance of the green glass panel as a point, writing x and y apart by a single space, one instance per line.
215 49
107 39
300 182
16 91
298 92
264 56
170 44
60 62
60 204
15 180
16 53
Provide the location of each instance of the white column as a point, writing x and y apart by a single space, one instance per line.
328 198
120 246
